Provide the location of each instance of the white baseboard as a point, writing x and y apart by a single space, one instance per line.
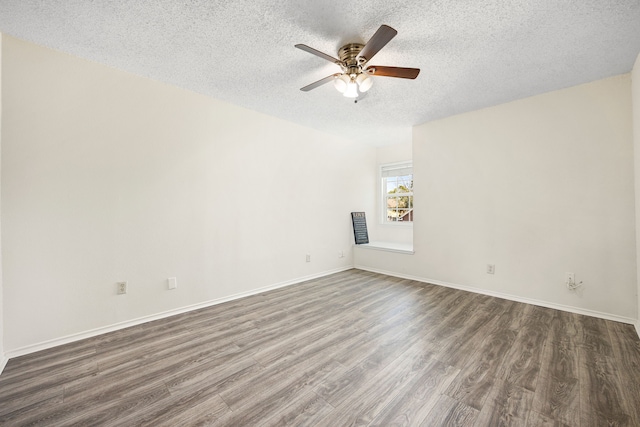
102 330
546 304
3 363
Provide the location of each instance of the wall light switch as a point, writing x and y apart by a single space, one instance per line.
173 283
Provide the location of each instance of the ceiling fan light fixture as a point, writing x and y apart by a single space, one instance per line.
364 82
341 83
355 77
352 90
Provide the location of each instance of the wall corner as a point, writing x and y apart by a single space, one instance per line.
3 359
635 111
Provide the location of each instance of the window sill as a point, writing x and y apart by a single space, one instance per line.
401 248
397 224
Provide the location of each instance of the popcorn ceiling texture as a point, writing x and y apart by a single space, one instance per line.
472 54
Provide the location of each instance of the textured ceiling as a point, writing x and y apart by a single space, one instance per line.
472 53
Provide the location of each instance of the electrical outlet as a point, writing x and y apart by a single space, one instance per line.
340 254
570 281
491 268
308 257
569 278
122 288
172 282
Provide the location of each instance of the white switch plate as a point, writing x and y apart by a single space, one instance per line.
308 257
173 282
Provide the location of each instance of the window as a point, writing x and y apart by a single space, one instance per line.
397 192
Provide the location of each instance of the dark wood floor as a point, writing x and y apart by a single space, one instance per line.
354 348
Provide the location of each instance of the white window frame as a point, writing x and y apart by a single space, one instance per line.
393 170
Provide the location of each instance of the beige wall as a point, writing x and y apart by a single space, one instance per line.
3 359
538 187
112 177
635 93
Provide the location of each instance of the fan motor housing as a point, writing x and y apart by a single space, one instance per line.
348 54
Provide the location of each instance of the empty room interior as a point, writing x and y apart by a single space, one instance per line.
378 213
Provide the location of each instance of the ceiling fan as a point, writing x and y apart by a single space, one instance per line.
355 77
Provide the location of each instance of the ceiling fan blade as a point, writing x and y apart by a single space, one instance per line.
320 82
383 36
401 72
318 53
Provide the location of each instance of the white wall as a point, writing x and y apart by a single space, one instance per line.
635 94
538 187
3 359
110 177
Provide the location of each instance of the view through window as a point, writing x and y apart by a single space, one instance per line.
397 189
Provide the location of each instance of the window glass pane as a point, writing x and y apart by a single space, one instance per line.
400 184
392 208
405 202
405 215
405 183
392 185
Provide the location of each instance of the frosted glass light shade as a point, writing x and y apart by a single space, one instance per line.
341 83
352 90
364 82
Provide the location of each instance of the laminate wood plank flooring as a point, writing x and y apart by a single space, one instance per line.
350 349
